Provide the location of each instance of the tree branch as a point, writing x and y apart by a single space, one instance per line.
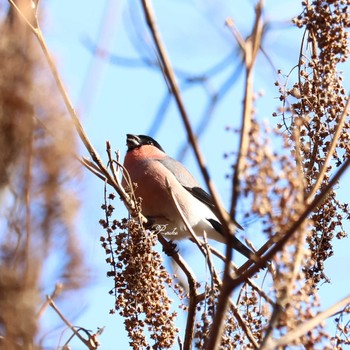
308 326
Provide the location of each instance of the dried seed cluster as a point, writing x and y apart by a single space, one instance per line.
341 337
295 295
320 105
255 316
322 95
251 313
271 181
206 308
139 283
274 183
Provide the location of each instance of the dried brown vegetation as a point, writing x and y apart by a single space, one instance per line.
321 117
288 189
37 177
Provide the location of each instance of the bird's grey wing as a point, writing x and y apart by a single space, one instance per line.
179 171
205 198
201 195
186 179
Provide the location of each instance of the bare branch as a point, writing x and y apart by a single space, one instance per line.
250 50
78 126
171 80
55 293
309 325
330 152
90 343
193 293
249 268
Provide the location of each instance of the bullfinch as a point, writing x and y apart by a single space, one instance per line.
153 170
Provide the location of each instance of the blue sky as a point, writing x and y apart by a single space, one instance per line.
117 99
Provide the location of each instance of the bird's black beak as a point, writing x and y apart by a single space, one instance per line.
132 141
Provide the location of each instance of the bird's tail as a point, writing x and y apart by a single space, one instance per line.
240 247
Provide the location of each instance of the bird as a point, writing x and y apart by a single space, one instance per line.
154 171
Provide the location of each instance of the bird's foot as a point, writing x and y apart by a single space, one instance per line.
150 223
170 248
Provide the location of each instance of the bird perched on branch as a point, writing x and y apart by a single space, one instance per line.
153 171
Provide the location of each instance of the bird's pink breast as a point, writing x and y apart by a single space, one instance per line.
150 177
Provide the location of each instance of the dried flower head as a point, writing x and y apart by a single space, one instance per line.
140 282
319 111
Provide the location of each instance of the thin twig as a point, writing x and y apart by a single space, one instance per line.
208 258
28 212
32 27
330 152
243 324
78 126
205 249
308 326
201 245
89 343
288 287
298 157
250 268
58 289
235 32
171 80
222 215
235 311
284 297
250 282
193 293
251 48
92 168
